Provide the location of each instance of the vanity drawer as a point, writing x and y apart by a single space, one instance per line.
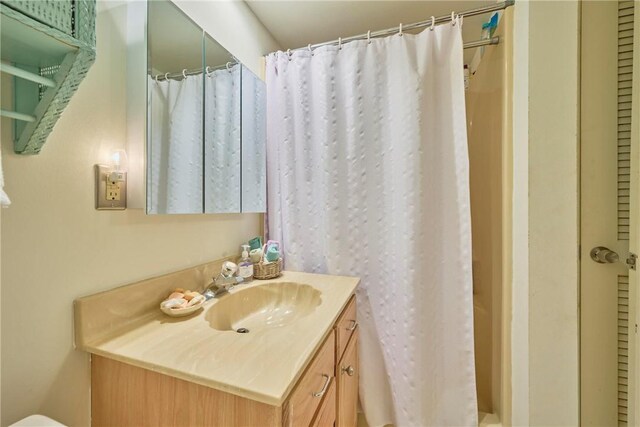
326 415
345 326
348 373
315 383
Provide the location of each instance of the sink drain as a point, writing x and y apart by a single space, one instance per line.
242 330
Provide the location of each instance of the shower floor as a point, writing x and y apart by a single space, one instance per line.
488 420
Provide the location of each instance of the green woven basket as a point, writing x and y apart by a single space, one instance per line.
54 13
72 24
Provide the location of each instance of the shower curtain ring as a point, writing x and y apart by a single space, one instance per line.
433 23
184 73
156 78
453 19
207 72
339 43
289 54
166 76
228 65
460 20
369 36
400 31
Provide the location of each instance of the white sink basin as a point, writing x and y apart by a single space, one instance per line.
270 305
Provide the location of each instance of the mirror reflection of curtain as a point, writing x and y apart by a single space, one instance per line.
222 141
254 135
175 145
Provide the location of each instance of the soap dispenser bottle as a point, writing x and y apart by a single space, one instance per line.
245 266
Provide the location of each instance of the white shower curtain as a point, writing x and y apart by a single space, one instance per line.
368 176
175 145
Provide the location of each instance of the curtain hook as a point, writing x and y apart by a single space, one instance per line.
339 43
453 21
369 36
433 23
400 31
184 73
166 76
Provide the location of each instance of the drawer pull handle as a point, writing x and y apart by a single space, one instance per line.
354 325
350 370
324 389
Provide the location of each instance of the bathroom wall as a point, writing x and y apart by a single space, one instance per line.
486 107
519 234
553 213
545 358
56 247
225 20
553 216
1 90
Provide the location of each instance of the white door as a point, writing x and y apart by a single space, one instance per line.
609 209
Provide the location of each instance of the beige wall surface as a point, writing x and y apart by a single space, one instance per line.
56 247
485 116
553 213
225 21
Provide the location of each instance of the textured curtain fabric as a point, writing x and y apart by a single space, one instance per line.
254 135
368 176
175 144
222 140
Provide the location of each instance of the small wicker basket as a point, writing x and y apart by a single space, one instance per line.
264 271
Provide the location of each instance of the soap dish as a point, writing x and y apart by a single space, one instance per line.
180 312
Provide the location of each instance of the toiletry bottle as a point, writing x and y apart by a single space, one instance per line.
245 266
466 76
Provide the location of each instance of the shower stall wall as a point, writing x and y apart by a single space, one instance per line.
488 105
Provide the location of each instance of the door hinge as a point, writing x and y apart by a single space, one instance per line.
631 260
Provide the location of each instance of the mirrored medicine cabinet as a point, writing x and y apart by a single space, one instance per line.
206 121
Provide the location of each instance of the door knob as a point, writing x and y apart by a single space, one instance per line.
349 370
603 255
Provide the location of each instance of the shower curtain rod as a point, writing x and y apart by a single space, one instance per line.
423 24
194 72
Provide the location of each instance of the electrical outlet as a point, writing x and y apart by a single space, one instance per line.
111 194
113 190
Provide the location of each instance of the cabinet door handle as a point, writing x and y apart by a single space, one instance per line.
350 370
354 325
324 389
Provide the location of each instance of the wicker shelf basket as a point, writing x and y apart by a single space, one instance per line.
264 271
55 39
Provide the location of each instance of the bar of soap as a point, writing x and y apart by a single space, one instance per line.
174 303
195 300
189 295
176 295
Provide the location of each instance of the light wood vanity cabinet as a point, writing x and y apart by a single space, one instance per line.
312 389
347 368
326 394
327 413
347 374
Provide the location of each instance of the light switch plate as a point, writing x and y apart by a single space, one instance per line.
110 196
